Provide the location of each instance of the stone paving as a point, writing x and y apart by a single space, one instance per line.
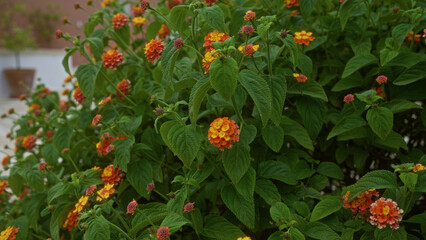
6 124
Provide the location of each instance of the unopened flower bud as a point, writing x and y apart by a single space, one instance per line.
395 10
283 34
159 111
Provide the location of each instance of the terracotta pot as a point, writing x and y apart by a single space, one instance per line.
15 76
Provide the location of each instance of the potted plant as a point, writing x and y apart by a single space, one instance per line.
16 38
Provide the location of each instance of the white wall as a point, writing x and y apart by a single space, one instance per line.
47 62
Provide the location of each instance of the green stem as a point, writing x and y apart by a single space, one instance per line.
234 103
161 195
145 216
126 226
244 54
73 163
269 58
120 230
254 62
54 175
198 52
116 88
176 115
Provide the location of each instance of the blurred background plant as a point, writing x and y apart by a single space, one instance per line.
24 28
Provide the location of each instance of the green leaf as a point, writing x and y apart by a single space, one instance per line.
184 142
381 121
312 111
164 131
62 138
390 234
174 222
198 93
363 47
248 134
122 152
378 179
310 88
330 169
296 131
58 218
295 234
305 64
168 61
65 61
346 9
413 74
58 190
96 46
387 55
280 213
50 153
246 185
259 91
406 59
178 17
325 208
393 140
400 32
357 62
409 180
152 30
236 161
214 17
419 218
400 105
278 171
273 137
223 76
139 175
130 124
346 124
22 224
278 87
293 49
86 75
217 227
268 191
98 229
353 81
243 209
320 231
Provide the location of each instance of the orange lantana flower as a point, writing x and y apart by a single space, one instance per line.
223 133
250 15
29 142
9 233
112 59
385 211
249 50
112 175
119 20
123 86
3 186
209 58
78 95
82 202
71 220
163 32
153 50
361 202
105 192
303 37
139 21
418 167
291 3
410 35
212 37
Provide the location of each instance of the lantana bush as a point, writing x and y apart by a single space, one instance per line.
227 120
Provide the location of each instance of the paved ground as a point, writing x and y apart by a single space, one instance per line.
6 123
